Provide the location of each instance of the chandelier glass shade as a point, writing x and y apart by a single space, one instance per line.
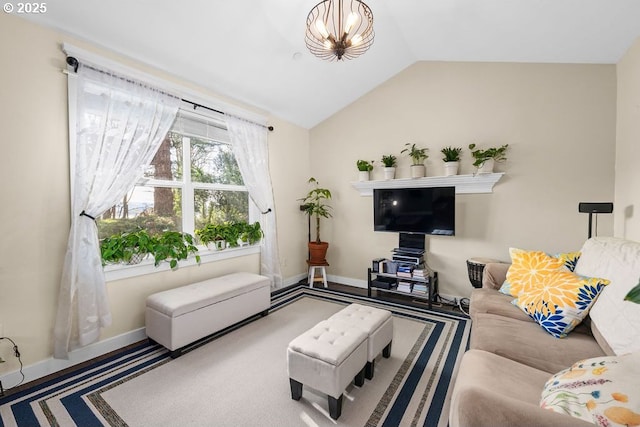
339 29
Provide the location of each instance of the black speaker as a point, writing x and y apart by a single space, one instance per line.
593 207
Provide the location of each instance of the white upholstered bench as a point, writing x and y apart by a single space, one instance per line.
327 358
377 323
178 317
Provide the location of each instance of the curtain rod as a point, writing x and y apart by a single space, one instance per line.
73 62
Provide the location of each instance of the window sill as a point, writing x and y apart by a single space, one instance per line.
120 271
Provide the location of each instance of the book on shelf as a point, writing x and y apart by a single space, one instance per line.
403 274
419 288
404 286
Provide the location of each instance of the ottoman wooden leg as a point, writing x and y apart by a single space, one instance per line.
335 407
296 389
386 352
371 366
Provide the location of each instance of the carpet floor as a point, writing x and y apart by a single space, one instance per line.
239 378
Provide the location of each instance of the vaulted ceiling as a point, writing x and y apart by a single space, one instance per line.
254 51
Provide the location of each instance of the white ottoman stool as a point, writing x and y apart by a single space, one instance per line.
327 358
377 323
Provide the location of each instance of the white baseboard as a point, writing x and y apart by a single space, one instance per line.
51 365
358 283
293 280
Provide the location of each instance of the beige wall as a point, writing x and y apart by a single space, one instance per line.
559 121
34 169
627 200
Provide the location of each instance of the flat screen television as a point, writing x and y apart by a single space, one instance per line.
429 210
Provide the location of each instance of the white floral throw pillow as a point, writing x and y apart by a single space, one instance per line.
602 390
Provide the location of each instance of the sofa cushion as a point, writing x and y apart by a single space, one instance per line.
494 275
602 390
619 261
560 300
493 391
485 300
525 342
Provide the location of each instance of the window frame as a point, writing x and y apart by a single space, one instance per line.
121 271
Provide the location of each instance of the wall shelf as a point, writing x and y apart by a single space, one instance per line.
465 184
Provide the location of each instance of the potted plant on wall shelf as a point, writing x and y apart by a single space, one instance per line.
418 156
364 168
314 204
485 159
389 162
451 160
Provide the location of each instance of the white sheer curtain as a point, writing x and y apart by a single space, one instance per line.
119 127
249 142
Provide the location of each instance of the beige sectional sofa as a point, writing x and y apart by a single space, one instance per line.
511 357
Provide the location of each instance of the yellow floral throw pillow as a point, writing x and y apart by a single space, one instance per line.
559 300
602 390
528 267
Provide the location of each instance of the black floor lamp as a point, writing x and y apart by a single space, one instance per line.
594 208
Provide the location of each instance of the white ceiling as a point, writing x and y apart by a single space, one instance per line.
254 51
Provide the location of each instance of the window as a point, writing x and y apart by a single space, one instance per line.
193 180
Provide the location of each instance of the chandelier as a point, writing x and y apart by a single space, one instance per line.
338 30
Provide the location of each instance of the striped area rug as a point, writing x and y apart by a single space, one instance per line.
412 388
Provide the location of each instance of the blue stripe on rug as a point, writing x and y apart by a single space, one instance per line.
78 409
404 397
22 410
437 403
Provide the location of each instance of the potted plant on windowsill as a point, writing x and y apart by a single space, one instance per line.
389 162
314 204
484 160
418 156
232 233
133 247
212 236
364 169
174 246
451 160
127 247
250 234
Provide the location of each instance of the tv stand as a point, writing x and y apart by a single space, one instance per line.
431 281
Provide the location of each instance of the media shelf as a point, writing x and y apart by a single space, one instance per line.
431 281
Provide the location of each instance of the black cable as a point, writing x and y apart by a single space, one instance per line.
16 353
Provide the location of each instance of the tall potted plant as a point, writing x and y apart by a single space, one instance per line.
418 156
451 160
389 162
484 160
314 204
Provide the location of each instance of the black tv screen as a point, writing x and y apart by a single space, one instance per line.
430 210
